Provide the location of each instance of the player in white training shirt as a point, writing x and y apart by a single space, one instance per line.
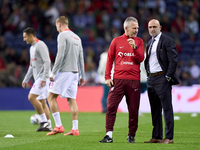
64 76
40 69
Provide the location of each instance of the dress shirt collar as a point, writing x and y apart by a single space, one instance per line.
158 36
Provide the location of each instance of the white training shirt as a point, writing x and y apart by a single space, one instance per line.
40 63
69 57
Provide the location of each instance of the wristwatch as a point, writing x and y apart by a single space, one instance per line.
168 78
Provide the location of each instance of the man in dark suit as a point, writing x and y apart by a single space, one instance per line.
160 64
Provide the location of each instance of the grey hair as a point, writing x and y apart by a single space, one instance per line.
128 20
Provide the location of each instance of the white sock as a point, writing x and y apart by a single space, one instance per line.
74 124
57 119
43 117
109 133
49 126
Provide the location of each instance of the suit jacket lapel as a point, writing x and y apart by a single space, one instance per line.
159 46
147 49
148 44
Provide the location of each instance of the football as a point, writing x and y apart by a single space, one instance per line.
35 119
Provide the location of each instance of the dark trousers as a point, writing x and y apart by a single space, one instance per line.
104 98
131 89
160 98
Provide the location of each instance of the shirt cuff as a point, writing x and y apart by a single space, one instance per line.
44 78
52 75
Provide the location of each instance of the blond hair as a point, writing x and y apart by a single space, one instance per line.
62 19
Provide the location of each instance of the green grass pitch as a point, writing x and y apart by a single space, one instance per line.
92 129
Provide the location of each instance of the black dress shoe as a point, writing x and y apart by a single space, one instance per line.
130 139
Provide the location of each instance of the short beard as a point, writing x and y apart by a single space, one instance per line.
154 34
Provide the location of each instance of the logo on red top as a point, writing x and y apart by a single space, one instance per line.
126 63
120 54
125 54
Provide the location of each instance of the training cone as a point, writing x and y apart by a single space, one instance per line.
9 136
176 118
194 115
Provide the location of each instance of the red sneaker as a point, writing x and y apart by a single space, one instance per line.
57 130
73 132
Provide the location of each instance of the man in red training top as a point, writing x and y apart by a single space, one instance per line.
126 52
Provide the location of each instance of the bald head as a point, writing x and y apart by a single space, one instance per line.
154 27
154 21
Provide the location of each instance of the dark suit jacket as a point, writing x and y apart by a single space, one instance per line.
167 57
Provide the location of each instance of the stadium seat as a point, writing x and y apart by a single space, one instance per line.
10 38
184 56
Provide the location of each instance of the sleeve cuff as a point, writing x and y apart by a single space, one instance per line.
52 75
44 79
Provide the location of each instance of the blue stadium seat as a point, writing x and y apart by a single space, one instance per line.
9 38
188 43
187 50
184 56
183 37
197 49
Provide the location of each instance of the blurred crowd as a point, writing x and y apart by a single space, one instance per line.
97 22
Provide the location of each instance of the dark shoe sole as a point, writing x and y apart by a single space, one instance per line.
44 129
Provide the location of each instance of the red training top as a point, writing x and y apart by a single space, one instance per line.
127 60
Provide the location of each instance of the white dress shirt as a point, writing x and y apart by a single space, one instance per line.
154 65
